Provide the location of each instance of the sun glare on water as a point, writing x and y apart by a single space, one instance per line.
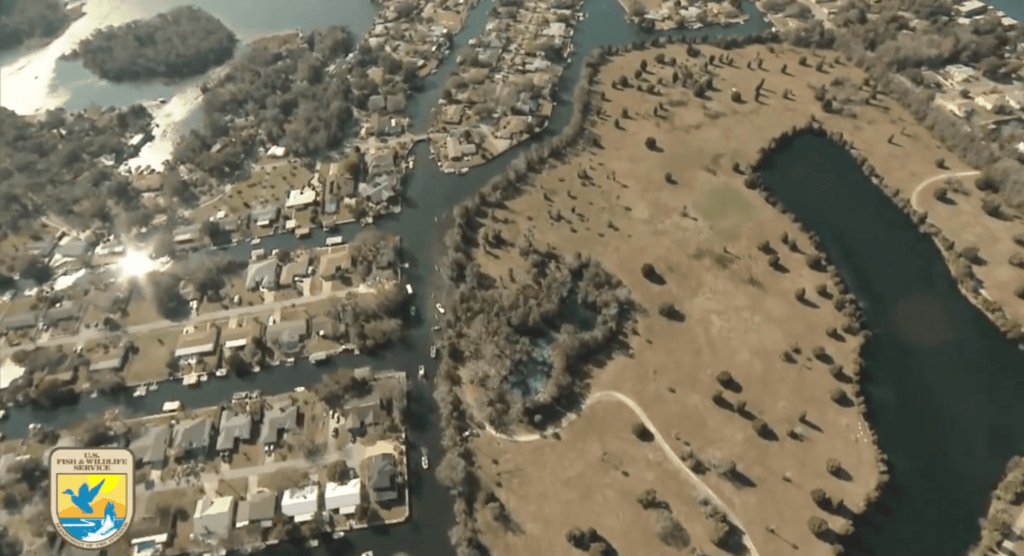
136 264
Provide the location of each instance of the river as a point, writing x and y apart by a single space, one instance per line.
942 385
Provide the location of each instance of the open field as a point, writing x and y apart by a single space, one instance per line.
682 208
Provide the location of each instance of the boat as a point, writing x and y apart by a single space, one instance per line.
140 391
171 406
3 414
153 385
221 372
203 377
257 368
412 310
422 371
290 361
334 240
191 379
439 308
255 241
433 352
367 553
338 534
408 289
424 460
463 171
300 389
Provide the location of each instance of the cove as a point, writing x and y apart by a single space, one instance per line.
942 385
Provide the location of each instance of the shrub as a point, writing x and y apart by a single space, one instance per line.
642 433
799 294
818 352
651 143
821 498
736 96
833 466
817 525
761 427
940 193
972 254
1017 260
724 378
837 395
773 261
940 163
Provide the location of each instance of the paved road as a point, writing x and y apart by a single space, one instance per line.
152 326
609 395
920 187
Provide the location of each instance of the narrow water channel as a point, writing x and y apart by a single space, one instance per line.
943 387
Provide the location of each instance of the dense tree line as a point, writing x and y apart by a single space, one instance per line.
273 95
182 42
997 525
57 164
22 20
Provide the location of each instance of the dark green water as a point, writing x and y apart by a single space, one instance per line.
942 385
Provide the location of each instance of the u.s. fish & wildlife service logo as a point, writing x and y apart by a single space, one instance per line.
92 494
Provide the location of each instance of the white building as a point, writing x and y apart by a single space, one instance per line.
298 198
277 152
343 497
213 518
300 503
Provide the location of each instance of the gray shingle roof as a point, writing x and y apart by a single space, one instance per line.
192 434
151 446
283 417
234 426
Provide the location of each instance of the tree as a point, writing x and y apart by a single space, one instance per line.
833 466
817 525
799 294
972 254
837 395
577 538
642 432
818 352
1017 260
651 143
821 498
941 193
724 378
761 427
736 96
643 64
741 406
940 163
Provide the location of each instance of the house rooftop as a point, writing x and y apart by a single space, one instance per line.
193 433
262 274
282 417
151 445
288 336
235 426
197 342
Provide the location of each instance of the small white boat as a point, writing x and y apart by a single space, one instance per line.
412 310
257 368
290 361
300 389
191 379
408 289
463 171
338 535
140 391
334 240
433 352
221 372
171 406
439 308
422 371
255 241
367 553
204 377
3 414
425 461
153 385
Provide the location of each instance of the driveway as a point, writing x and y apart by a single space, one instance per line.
920 187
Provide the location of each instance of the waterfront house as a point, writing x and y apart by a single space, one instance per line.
262 275
235 426
381 162
278 420
192 233
192 438
151 445
236 337
265 216
288 336
382 477
213 519
298 268
259 509
301 503
197 342
343 498
112 360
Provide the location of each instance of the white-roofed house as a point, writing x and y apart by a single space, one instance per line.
213 519
343 497
301 503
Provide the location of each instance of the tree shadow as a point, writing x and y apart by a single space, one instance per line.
825 358
654 277
768 434
842 474
740 479
808 303
733 386
946 200
724 404
780 268
811 424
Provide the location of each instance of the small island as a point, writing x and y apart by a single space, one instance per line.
183 42
36 21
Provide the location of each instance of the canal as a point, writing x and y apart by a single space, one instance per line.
942 385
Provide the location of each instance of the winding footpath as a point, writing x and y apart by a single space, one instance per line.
611 395
920 187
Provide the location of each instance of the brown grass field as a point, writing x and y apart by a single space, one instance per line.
699 230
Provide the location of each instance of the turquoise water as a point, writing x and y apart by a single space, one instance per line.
84 529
